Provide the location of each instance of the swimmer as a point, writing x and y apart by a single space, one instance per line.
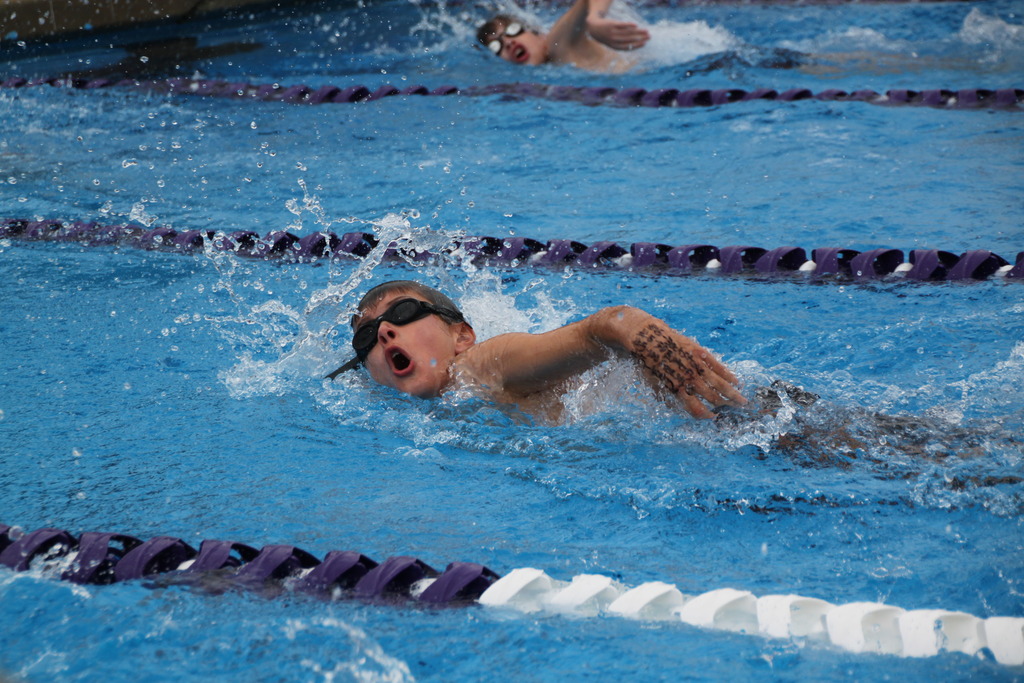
412 338
583 37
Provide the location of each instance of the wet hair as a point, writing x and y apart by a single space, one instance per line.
494 27
429 294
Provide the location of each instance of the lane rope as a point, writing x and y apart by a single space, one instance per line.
967 98
860 627
919 264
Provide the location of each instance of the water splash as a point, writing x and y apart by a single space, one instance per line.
981 29
675 42
856 40
310 204
367 661
140 215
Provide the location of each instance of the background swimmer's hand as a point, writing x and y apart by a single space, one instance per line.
618 35
686 368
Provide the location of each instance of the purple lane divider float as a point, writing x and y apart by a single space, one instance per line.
156 556
844 264
104 558
969 98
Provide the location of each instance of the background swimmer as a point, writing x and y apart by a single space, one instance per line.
583 37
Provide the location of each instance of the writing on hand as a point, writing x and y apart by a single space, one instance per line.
686 369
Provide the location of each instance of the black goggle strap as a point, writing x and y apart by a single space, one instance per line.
351 365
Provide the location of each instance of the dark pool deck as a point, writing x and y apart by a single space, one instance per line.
44 19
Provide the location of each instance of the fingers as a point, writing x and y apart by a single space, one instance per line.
712 389
715 366
695 407
721 379
719 392
635 35
621 35
715 384
631 40
720 382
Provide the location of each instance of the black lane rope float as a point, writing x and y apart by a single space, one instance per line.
106 558
970 98
844 264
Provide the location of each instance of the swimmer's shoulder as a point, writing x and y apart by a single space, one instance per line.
486 361
484 371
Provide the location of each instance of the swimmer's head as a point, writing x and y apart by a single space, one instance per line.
509 38
407 335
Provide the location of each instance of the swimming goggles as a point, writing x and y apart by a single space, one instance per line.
511 31
401 312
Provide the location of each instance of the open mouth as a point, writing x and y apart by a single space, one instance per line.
519 54
399 361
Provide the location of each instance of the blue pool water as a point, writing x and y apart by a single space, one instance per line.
159 394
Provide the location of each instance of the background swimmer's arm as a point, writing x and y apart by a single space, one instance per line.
527 363
570 31
618 35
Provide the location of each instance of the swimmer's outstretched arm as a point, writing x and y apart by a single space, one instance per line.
570 31
527 363
618 35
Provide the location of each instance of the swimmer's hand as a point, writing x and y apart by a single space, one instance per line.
686 369
618 35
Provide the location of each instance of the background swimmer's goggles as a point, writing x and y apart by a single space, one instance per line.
401 312
511 31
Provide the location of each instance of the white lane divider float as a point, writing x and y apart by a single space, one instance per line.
857 627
